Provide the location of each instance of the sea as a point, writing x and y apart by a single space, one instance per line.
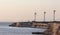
5 29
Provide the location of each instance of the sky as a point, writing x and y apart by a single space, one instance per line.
23 10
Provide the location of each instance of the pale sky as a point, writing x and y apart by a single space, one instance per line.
23 10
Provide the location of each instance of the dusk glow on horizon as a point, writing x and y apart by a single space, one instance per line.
23 10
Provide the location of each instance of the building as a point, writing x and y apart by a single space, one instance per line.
34 24
41 24
53 27
21 24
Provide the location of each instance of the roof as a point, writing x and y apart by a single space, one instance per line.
46 21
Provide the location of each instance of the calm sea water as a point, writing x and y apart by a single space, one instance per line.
6 30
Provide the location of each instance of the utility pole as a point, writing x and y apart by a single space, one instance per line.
54 15
44 15
35 16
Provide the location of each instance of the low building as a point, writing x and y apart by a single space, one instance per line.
38 24
34 24
21 24
53 27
